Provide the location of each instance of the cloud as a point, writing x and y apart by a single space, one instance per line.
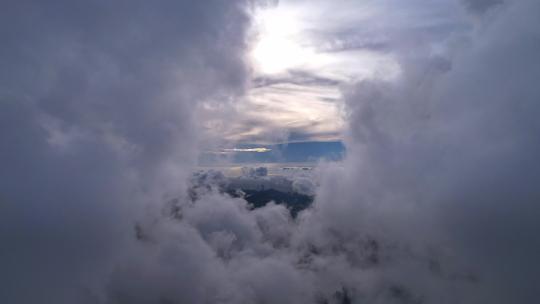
277 108
301 78
96 103
301 97
444 156
481 6
435 203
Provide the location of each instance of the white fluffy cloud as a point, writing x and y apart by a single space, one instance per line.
435 203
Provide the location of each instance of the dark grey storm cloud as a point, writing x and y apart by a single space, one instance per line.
436 202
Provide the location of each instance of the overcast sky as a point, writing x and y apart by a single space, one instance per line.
105 107
302 53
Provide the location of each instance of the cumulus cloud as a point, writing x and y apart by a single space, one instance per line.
435 202
445 155
95 122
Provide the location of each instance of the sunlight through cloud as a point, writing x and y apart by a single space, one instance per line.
279 46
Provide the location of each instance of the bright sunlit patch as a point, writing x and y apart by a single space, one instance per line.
257 150
279 46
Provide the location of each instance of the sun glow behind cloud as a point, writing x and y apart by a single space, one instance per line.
279 44
301 60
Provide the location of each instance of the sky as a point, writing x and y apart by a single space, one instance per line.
107 106
301 57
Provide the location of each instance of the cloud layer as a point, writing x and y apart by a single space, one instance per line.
436 201
96 103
